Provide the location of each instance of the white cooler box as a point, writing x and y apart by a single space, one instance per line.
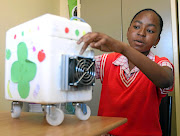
43 66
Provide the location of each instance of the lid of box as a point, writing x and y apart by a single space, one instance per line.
52 25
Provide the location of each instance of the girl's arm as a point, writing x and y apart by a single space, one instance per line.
162 77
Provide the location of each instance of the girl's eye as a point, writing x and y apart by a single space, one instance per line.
136 27
150 31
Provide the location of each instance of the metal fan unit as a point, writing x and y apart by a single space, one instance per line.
81 71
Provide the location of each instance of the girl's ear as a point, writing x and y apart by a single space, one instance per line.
127 32
157 41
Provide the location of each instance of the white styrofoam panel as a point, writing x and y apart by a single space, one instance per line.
42 43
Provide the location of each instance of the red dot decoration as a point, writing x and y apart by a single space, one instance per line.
41 55
15 36
66 30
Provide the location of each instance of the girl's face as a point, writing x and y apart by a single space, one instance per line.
144 31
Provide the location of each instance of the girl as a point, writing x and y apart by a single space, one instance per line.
134 80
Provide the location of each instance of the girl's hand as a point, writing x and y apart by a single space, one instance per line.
96 40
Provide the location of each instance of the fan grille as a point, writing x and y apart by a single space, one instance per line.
81 71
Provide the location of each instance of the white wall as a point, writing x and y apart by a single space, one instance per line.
14 12
103 16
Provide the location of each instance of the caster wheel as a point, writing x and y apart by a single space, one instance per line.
16 111
55 117
80 115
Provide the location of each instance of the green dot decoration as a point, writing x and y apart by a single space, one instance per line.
22 33
77 32
8 54
23 71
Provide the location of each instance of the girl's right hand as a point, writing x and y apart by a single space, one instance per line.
96 40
